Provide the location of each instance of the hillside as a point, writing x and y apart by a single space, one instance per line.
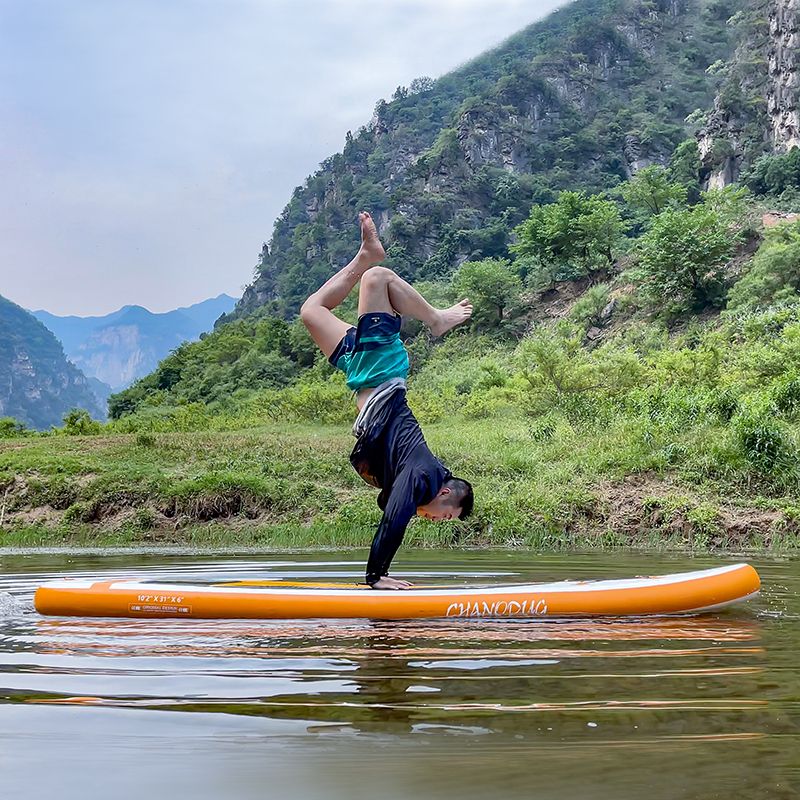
38 386
118 348
581 100
631 371
589 99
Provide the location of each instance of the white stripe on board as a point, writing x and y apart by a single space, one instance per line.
454 591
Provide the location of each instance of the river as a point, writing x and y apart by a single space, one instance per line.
684 707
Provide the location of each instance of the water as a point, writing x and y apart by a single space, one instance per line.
693 707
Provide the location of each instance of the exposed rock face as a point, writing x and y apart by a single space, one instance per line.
757 110
121 347
117 355
782 92
38 386
638 157
773 218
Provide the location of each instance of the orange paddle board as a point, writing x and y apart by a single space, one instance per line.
682 593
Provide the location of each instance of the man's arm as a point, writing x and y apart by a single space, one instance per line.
400 508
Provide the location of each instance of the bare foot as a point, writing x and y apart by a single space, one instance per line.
450 317
371 248
390 583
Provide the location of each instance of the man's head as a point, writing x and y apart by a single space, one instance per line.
454 501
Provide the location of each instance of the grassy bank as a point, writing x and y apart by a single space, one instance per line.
551 484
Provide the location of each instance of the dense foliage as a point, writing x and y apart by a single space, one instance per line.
253 353
773 276
683 256
570 238
718 402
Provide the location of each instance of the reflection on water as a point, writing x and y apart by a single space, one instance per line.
702 706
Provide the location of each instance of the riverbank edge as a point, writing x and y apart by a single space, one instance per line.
216 538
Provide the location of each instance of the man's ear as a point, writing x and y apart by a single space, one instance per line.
444 490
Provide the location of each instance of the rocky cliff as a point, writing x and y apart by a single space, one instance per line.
37 383
784 84
757 109
120 347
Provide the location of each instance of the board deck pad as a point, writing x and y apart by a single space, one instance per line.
681 593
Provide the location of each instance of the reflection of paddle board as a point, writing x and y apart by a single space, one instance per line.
682 593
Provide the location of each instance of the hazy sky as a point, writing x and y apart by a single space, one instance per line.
146 147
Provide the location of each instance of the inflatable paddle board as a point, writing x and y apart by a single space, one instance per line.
683 593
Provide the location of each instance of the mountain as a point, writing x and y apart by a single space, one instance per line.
38 386
120 347
581 100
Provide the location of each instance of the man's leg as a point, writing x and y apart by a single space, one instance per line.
382 290
325 327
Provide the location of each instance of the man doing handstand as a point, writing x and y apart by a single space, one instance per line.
390 451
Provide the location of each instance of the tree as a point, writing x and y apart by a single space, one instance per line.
302 347
492 286
574 236
421 84
599 230
730 204
684 168
774 273
683 255
650 191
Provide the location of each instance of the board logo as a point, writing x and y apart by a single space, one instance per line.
500 608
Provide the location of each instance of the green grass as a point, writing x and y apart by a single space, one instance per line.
609 483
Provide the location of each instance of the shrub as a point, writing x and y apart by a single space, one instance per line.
485 403
774 273
764 443
144 519
785 395
589 306
560 372
10 428
78 423
773 174
78 512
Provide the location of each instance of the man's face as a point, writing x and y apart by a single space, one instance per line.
439 509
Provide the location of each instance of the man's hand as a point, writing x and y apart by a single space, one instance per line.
390 583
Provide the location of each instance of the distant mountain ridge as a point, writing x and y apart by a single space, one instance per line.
120 347
38 386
